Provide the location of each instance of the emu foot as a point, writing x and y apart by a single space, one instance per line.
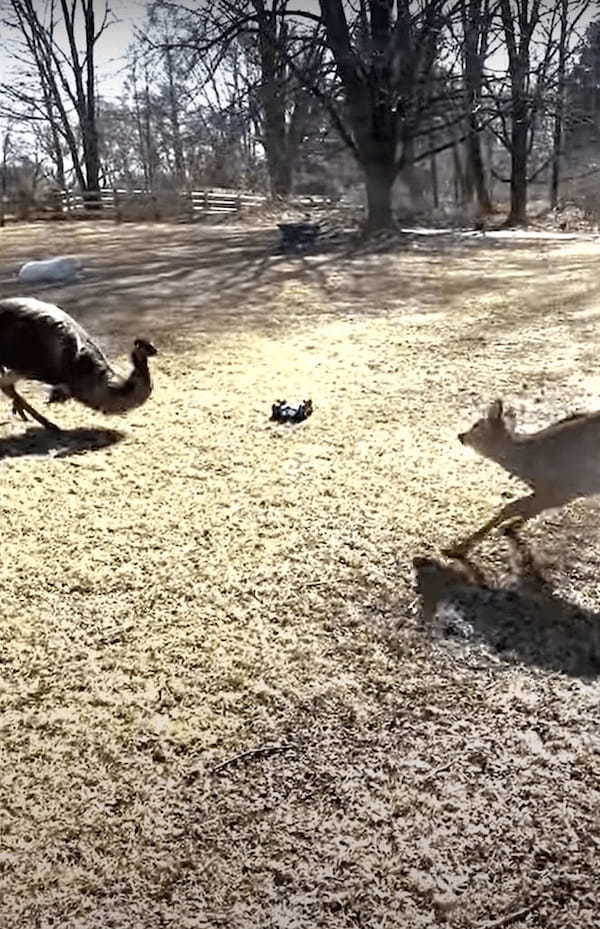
21 408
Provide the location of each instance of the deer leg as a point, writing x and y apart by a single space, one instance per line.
526 571
20 406
520 511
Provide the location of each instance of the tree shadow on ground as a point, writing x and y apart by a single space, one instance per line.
523 621
42 443
172 282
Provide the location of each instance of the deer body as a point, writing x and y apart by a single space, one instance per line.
559 463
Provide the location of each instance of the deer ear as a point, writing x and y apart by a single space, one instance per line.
495 410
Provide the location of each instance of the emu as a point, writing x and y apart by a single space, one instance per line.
40 342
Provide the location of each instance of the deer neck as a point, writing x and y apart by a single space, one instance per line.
511 452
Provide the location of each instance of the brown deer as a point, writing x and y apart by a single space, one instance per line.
560 463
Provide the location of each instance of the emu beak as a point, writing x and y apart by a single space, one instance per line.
461 438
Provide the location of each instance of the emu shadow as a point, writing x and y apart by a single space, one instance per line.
41 443
524 622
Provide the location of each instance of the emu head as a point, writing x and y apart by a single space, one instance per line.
143 349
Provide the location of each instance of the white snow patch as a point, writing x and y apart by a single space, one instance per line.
495 233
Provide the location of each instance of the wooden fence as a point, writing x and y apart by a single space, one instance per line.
139 205
189 205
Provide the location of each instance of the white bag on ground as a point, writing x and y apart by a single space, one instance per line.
50 270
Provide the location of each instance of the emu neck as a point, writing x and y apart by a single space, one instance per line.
140 364
112 393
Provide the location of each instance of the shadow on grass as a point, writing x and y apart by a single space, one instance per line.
525 622
40 442
172 282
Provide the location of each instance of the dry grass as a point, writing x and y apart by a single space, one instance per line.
208 583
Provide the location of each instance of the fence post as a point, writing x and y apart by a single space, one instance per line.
68 204
155 211
117 206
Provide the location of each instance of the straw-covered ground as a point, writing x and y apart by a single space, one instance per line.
199 584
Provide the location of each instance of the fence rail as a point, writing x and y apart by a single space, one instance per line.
122 204
118 202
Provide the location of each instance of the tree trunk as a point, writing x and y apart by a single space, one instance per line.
271 93
435 190
476 23
556 158
412 177
518 49
3 179
59 162
459 178
178 157
280 172
557 135
476 168
149 147
518 169
91 148
380 183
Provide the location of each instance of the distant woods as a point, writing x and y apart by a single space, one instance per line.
462 104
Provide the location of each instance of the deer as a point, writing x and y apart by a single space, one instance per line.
560 463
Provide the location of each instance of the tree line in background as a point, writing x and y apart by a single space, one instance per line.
448 99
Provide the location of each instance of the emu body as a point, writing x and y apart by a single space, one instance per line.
560 463
41 342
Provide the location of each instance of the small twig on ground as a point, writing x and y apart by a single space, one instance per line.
251 752
441 768
509 918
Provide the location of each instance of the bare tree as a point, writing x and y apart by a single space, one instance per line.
163 21
385 60
4 174
66 77
144 116
570 14
518 34
581 130
279 62
285 106
539 39
477 17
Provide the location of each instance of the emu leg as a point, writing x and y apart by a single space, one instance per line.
17 411
20 406
519 511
